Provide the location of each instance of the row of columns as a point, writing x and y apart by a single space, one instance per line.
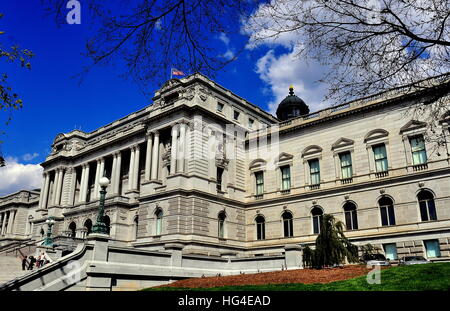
152 159
55 188
7 219
178 149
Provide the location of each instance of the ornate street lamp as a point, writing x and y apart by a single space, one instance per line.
48 241
100 226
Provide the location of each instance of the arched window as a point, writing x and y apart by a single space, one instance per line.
135 227
221 224
288 226
317 216
72 229
387 211
260 228
88 226
426 204
159 216
351 219
107 222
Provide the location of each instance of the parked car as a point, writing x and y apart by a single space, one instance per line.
413 260
376 260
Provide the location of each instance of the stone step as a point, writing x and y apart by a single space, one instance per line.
10 268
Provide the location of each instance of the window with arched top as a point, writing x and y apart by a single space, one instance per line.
426 205
351 217
288 226
221 224
159 218
260 227
387 211
72 229
88 226
317 217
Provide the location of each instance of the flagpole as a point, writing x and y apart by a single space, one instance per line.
171 71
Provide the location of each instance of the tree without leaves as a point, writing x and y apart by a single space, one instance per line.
151 36
331 247
368 47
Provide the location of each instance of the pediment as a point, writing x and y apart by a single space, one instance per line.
258 163
342 142
375 134
312 149
284 157
412 125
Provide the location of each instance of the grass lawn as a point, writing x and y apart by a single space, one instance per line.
435 276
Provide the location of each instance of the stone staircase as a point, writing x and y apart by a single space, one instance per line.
10 268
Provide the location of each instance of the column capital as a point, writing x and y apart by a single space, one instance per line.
156 133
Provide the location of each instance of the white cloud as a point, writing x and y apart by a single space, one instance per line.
16 176
229 53
28 156
279 72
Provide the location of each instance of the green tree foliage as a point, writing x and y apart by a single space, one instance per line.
331 247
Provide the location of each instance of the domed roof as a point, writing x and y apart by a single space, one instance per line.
292 106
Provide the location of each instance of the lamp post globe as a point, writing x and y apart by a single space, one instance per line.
48 241
100 226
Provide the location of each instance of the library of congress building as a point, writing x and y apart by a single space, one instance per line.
203 182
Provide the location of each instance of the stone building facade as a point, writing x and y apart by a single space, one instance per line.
205 168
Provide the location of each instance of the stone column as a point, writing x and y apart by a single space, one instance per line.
5 216
182 147
10 222
118 178
2 223
84 182
131 169
73 185
173 153
136 171
83 176
44 193
148 157
97 178
155 156
55 186
59 182
113 174
100 175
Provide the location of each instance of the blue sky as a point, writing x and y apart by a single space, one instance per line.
55 102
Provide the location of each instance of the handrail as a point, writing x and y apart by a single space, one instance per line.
78 253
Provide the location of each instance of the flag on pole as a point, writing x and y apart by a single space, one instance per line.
176 72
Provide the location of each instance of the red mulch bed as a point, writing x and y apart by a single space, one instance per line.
306 276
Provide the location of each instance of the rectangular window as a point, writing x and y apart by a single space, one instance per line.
419 154
346 165
236 115
432 248
250 123
259 176
285 177
391 251
314 171
220 107
380 155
